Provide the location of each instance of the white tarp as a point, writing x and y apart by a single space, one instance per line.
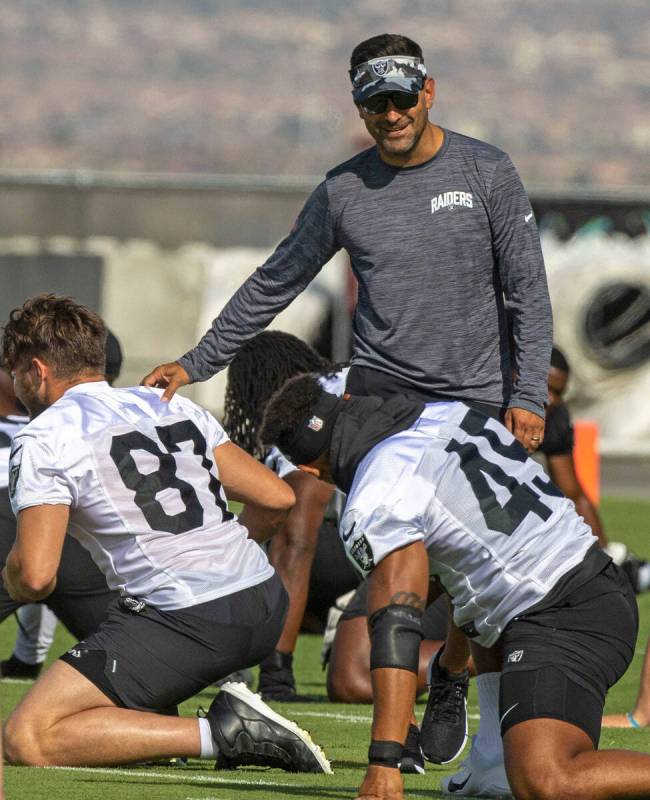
618 400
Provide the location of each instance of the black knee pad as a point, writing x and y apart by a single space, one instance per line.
395 636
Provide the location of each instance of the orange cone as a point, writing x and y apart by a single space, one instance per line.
587 458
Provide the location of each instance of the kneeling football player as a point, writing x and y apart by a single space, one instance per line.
140 484
522 568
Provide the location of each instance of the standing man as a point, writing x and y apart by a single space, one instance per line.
142 486
440 236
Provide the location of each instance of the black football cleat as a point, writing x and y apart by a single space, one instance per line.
443 731
249 733
15 668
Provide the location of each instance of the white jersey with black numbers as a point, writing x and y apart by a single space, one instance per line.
499 534
143 488
9 427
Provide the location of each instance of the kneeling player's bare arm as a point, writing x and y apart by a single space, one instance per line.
32 563
246 480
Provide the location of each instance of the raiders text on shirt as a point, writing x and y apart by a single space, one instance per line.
450 200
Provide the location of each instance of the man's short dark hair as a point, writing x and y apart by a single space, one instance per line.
385 44
66 335
558 360
287 409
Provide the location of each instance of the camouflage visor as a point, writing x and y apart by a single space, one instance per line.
387 74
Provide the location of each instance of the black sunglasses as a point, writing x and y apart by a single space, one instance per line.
378 103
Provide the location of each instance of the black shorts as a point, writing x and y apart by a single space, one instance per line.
81 597
332 573
154 659
434 619
561 657
367 382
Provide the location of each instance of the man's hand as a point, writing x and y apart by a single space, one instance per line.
169 377
525 426
381 783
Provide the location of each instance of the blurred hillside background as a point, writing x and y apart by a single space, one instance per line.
153 153
243 86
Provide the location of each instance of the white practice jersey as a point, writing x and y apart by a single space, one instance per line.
9 427
280 464
498 532
144 492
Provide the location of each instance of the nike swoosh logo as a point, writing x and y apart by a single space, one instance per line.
458 787
528 217
346 536
507 712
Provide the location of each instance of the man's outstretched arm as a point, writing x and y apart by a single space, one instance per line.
523 278
268 291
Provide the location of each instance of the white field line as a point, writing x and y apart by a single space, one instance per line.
344 717
176 774
330 715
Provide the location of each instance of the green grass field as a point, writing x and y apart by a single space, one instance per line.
341 730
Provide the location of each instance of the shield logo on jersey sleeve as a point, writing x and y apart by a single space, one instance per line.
361 552
14 468
14 472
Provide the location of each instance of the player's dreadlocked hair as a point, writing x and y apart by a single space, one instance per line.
262 365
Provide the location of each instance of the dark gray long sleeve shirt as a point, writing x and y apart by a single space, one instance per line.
439 251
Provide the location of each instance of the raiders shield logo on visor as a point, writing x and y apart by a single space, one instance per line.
380 68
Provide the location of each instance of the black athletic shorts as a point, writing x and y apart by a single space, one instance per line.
561 656
152 660
367 382
434 619
81 597
332 573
